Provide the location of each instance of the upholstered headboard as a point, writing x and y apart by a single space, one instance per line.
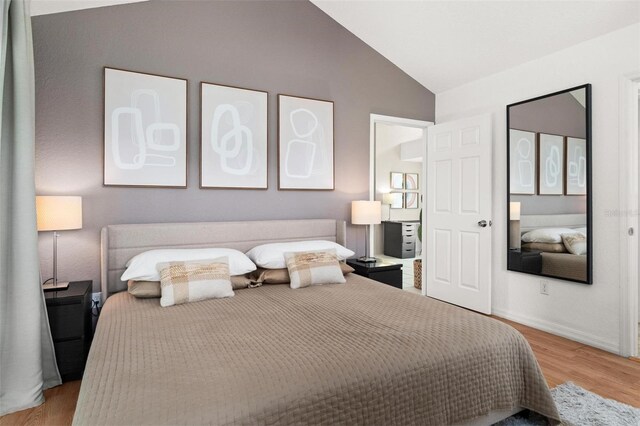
119 243
536 221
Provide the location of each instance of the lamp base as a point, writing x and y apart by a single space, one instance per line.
365 259
51 287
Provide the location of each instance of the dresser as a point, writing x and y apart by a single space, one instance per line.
70 320
400 238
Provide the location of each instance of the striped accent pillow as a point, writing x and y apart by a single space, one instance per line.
191 281
313 268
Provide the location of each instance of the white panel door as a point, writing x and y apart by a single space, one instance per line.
458 213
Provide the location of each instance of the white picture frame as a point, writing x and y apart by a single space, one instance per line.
411 200
145 130
551 164
522 162
411 181
576 167
397 180
233 137
306 158
397 200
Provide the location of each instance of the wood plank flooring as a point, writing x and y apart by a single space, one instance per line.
58 408
561 360
596 370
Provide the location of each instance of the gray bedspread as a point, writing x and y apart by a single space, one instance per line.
354 353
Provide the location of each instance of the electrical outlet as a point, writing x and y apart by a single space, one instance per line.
97 297
544 287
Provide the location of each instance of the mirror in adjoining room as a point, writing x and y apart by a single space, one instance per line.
549 185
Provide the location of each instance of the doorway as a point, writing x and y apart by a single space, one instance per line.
397 179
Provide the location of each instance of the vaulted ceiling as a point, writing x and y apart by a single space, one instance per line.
444 44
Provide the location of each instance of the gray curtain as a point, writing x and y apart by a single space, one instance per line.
27 359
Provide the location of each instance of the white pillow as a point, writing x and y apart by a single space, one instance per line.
582 231
546 235
143 267
271 256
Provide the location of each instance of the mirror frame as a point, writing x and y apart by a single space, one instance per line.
589 211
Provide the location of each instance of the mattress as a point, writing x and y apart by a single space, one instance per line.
354 353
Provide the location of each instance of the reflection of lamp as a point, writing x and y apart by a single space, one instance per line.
387 199
514 225
366 213
58 213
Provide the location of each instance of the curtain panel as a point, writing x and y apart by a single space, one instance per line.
27 358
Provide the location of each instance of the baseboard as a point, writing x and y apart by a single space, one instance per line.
560 330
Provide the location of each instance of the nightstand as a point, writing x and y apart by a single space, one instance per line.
525 260
384 272
69 314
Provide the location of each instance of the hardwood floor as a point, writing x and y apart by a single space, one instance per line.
561 360
58 409
600 372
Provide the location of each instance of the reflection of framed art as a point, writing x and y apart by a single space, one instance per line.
411 181
551 164
145 129
305 143
411 200
522 162
233 137
397 200
397 180
576 167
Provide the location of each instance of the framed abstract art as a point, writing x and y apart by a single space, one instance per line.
305 144
233 137
145 130
576 167
550 164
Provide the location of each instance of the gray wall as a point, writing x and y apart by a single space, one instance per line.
281 47
557 115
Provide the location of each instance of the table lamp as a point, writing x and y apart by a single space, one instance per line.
514 225
58 213
366 213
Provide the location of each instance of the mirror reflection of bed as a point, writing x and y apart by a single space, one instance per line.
545 241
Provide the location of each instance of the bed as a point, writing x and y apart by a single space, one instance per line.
564 265
355 353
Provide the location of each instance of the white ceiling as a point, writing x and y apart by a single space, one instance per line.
444 44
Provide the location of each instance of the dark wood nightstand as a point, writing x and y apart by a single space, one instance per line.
525 260
69 314
388 273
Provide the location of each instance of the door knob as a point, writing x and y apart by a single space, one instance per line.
482 223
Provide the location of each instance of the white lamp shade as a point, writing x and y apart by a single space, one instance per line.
59 213
514 210
387 198
366 212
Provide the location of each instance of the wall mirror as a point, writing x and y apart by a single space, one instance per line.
549 185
